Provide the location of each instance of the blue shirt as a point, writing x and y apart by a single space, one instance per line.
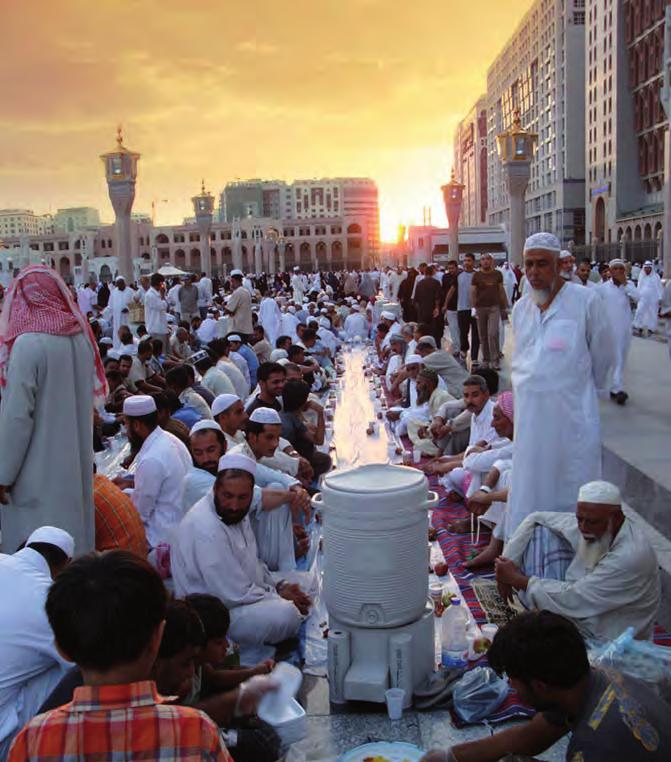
187 415
252 362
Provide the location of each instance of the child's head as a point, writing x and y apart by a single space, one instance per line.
216 621
107 611
183 639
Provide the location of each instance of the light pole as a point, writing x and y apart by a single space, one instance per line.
281 250
203 206
121 173
453 194
269 243
516 149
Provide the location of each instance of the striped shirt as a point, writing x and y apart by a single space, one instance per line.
119 722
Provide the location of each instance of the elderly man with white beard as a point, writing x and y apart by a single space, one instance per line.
596 567
563 353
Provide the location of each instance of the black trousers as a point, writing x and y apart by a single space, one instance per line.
468 322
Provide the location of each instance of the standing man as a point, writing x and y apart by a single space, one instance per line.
428 295
618 293
239 307
51 377
650 295
298 286
120 300
451 291
563 354
465 316
187 297
491 307
204 294
156 310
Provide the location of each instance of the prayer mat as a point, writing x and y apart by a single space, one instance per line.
495 609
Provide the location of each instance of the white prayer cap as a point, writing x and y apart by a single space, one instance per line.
106 340
603 493
119 278
614 262
234 337
647 263
278 354
54 536
170 318
428 340
283 361
139 405
205 425
201 354
414 359
323 311
222 403
545 241
113 354
356 308
388 315
265 415
297 269
236 273
238 462
564 254
291 309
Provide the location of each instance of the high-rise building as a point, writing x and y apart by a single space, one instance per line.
16 222
625 120
470 164
243 199
76 218
540 72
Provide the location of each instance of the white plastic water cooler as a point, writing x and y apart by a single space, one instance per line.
381 631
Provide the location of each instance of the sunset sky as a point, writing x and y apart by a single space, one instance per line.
226 89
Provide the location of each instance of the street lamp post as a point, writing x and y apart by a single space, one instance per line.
203 206
121 173
281 250
453 194
516 149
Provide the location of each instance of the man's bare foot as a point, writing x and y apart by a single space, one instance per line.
438 467
488 555
463 526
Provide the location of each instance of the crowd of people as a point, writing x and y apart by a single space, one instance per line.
215 387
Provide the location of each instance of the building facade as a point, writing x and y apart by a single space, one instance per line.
470 164
626 123
76 218
16 222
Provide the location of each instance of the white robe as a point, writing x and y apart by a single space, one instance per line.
210 557
270 318
560 358
46 439
622 590
120 301
650 293
356 325
288 325
617 300
298 288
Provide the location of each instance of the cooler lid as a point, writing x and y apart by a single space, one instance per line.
376 478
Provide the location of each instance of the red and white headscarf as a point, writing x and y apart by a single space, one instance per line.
505 402
38 301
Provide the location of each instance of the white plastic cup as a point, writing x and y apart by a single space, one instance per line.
394 698
416 454
489 630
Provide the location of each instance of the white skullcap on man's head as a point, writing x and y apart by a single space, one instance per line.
291 309
222 403
356 308
106 340
414 359
612 263
265 415
54 536
278 354
428 340
545 241
647 263
600 492
238 462
387 315
205 425
564 254
139 405
237 273
234 337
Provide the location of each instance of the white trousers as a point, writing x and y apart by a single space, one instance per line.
256 627
454 481
275 536
453 325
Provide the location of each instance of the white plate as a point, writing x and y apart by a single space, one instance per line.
391 751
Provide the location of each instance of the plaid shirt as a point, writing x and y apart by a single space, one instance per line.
118 524
119 722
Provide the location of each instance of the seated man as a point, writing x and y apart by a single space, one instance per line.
108 613
30 665
452 373
302 434
216 553
271 377
596 568
404 387
430 397
142 378
179 382
609 715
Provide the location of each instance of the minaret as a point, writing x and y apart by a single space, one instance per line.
453 194
121 173
203 206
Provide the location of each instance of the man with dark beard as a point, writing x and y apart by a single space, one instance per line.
215 552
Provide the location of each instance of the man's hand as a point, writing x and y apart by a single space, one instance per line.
305 471
393 415
435 312
437 755
507 573
299 501
478 503
264 667
4 498
505 591
123 482
293 593
251 692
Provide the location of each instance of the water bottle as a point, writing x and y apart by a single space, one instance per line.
453 635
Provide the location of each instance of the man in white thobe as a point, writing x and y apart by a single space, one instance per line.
204 294
298 286
161 466
270 318
51 377
611 582
563 354
87 297
121 298
289 324
395 279
30 665
355 324
650 294
156 310
618 293
216 553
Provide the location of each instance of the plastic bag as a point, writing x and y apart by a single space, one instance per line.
479 694
636 658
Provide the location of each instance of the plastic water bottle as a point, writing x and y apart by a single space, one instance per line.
453 636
